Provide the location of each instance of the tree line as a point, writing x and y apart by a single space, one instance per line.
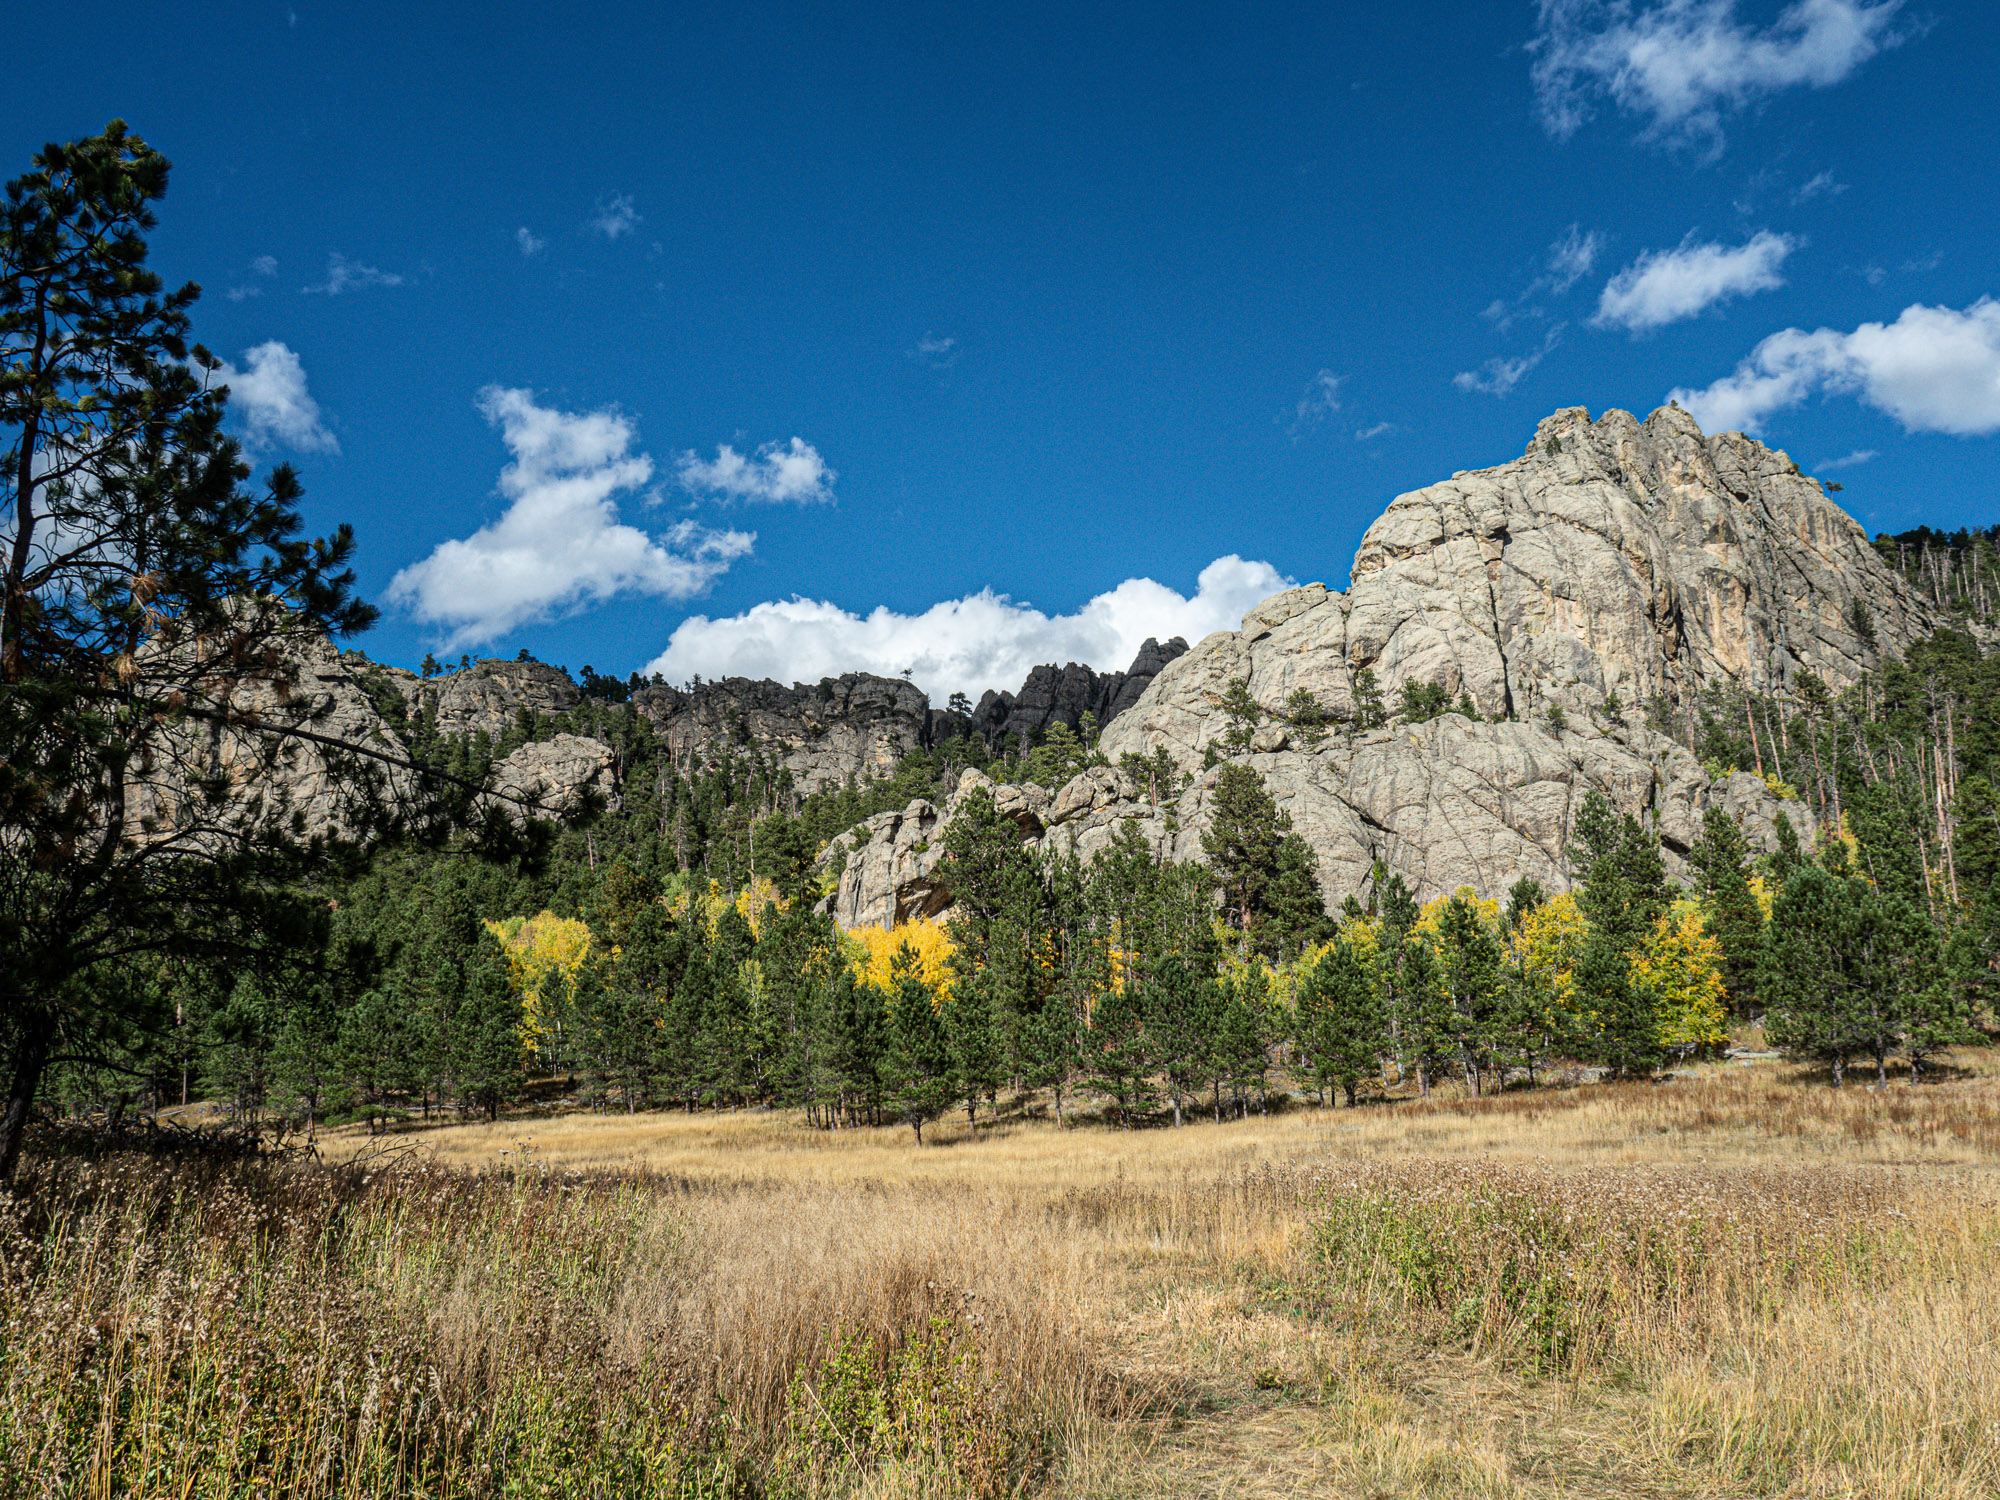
167 936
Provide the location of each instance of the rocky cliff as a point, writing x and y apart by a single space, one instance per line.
1642 560
855 725
1065 694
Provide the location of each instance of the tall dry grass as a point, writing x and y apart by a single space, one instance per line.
1737 1283
416 1331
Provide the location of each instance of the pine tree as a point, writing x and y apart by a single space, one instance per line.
1469 963
1242 712
1369 712
1245 844
1720 859
1622 894
1850 973
973 1035
919 1081
1296 905
488 1051
149 604
1244 1034
1427 1026
1340 1020
1182 1010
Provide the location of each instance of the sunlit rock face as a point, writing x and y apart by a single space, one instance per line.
1614 558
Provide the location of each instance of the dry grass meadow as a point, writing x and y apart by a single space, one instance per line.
1735 1283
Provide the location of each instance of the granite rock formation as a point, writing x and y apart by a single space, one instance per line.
1642 560
855 725
555 775
1067 693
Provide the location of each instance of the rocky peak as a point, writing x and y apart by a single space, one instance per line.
1066 693
855 725
1614 556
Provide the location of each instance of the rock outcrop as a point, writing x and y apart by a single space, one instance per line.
1643 560
888 864
555 775
856 725
1065 694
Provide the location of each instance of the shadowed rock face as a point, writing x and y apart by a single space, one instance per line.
1641 559
1067 693
855 725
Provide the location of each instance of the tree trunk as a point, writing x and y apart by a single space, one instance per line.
1839 1072
31 1056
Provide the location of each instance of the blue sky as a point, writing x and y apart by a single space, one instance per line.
854 309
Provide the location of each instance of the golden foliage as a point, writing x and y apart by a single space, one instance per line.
1680 966
1432 915
544 954
871 950
1546 946
710 903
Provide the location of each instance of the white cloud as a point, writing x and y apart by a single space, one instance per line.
1498 375
529 241
1376 431
938 352
559 544
1572 256
1933 370
1320 401
615 216
1679 65
984 640
344 275
1820 186
270 402
1664 286
1857 457
775 473
263 265
1501 374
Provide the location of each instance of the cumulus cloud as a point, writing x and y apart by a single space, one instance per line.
775 474
1933 369
616 216
344 275
1665 286
529 241
967 645
559 543
939 352
270 403
1681 65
